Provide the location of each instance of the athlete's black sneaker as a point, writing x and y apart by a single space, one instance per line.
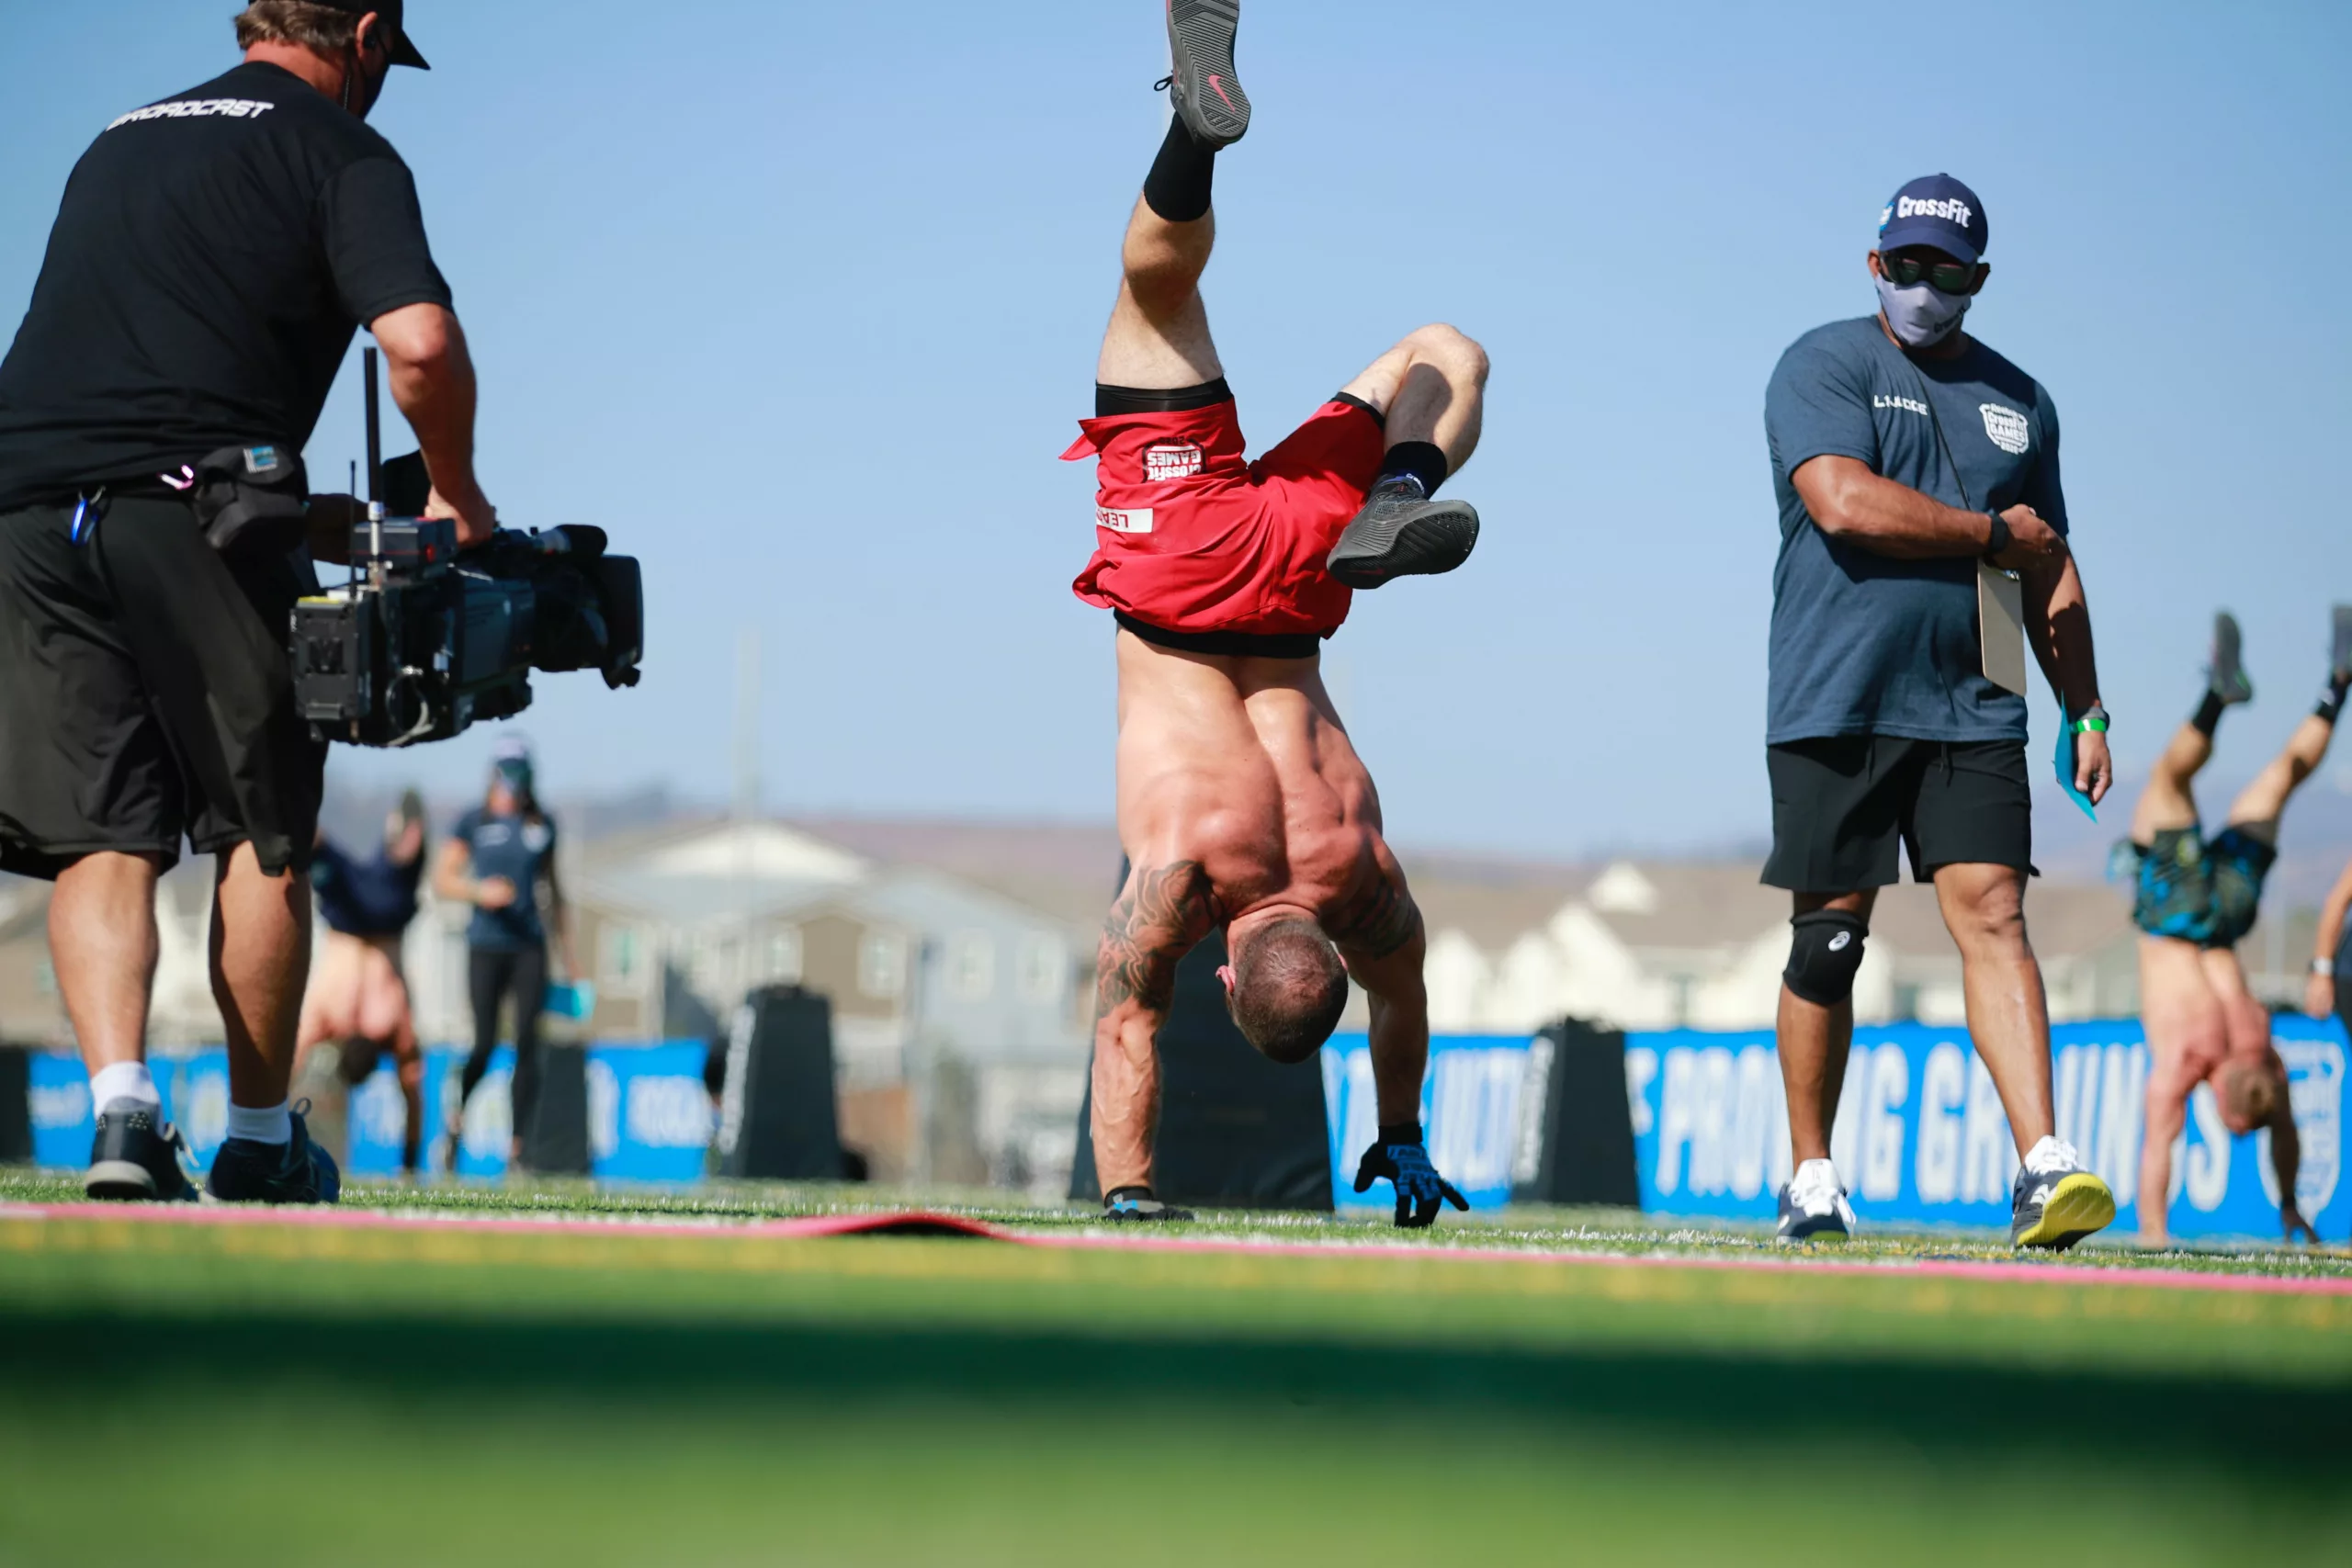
2055 1203
1127 1207
2227 675
297 1171
1814 1206
2339 658
1200 81
1402 533
136 1157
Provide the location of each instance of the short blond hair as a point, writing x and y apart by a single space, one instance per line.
322 29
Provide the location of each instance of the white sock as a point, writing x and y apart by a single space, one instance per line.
268 1126
124 1081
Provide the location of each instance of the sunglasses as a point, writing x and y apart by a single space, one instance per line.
1903 270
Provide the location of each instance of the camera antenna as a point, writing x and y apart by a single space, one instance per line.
375 432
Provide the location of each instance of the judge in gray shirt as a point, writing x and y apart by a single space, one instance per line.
1910 460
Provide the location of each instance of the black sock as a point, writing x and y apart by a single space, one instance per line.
1420 459
2332 704
1117 1193
2209 714
1178 186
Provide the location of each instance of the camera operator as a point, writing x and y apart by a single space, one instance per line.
212 256
500 859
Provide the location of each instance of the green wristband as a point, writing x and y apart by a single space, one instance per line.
2091 724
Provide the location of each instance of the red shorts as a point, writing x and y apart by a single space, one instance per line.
1191 537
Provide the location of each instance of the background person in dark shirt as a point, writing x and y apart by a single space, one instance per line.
212 256
500 859
1903 452
358 994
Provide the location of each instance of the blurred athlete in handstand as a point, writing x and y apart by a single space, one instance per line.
2195 901
357 995
1241 802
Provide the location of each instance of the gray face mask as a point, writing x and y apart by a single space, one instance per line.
1922 315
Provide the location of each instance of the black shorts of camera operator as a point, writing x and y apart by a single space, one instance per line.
500 859
213 257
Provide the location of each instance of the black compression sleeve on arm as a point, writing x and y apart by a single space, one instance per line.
373 235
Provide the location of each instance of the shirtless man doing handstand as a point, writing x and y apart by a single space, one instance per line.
2194 900
1241 802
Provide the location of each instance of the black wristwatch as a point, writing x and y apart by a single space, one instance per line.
2000 538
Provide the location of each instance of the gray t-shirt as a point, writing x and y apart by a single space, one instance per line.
1869 644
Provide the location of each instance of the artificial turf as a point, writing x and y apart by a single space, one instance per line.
458 1394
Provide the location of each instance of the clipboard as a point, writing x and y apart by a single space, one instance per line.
2000 620
2001 593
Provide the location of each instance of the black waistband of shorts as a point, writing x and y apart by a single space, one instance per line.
1247 644
1112 400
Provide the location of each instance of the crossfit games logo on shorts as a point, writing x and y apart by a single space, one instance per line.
1165 460
2006 427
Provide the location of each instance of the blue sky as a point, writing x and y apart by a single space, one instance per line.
801 303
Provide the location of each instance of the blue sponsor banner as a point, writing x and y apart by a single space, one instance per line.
649 1117
192 1085
1471 1100
1920 1135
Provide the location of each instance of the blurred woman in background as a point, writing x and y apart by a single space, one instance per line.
501 860
359 994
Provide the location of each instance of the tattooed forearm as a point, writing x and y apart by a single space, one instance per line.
1377 921
1164 911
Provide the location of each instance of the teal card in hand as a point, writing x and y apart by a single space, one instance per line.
2069 762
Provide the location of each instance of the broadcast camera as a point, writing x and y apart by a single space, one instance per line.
424 640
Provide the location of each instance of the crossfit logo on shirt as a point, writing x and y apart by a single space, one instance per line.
2006 427
196 108
1135 520
1909 405
1166 460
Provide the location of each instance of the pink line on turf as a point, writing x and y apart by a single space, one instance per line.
921 1222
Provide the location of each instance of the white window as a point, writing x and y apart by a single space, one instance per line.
621 963
781 963
971 965
1045 969
882 965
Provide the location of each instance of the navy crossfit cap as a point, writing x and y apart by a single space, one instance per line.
403 50
1936 210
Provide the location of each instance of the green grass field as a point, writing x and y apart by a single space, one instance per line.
458 1394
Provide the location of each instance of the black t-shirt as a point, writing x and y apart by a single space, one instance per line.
211 259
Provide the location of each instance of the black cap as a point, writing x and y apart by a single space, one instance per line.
403 52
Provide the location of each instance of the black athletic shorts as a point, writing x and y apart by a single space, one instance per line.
144 694
1840 802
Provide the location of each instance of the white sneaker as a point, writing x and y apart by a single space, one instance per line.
1814 1206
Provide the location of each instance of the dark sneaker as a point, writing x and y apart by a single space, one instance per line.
2339 658
136 1157
2227 675
1200 82
1814 1206
297 1171
1402 533
1127 1207
2055 1201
